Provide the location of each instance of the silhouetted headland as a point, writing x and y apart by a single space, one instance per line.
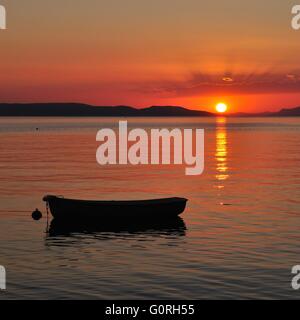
293 112
85 110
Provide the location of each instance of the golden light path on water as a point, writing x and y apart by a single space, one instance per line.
221 154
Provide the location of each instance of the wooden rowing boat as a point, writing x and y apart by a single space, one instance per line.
72 209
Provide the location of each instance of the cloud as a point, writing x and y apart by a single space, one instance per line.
211 84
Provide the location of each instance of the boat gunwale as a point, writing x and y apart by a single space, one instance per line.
171 200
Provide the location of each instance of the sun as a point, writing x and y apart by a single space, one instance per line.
221 107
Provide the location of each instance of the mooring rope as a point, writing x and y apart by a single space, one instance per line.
47 210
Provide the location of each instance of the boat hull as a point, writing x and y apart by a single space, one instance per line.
69 209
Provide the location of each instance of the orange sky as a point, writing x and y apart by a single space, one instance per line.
174 52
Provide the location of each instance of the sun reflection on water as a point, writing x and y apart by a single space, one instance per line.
221 153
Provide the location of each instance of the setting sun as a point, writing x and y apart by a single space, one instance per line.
221 107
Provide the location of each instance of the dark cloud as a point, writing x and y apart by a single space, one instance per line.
201 83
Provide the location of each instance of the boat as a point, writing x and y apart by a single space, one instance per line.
74 209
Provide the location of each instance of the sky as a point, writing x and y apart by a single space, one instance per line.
191 53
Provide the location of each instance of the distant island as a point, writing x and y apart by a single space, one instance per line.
85 110
293 112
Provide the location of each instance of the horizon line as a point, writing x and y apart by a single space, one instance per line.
144 108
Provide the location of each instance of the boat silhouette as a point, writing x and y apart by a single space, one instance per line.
92 210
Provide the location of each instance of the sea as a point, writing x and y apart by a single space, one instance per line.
239 237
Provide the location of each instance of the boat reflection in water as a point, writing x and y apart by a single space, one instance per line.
172 227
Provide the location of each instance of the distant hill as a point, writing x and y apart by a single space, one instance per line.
294 112
84 110
173 111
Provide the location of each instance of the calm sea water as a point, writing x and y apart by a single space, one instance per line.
240 234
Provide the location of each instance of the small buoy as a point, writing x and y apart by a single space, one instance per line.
36 215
